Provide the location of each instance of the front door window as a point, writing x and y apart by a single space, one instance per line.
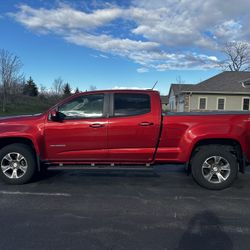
87 106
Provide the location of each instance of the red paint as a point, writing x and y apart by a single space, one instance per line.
180 134
127 140
134 138
76 140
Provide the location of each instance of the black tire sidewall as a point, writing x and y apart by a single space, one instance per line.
206 152
26 151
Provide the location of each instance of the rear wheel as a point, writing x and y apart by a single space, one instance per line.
214 167
17 163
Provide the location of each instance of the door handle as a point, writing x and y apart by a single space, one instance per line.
146 124
96 125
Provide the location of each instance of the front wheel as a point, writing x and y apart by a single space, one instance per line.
17 163
214 167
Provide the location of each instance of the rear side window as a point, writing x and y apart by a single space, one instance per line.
131 104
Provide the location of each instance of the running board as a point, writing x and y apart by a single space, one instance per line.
96 168
101 167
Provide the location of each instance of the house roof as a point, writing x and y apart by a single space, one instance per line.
180 87
164 99
228 81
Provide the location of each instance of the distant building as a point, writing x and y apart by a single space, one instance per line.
164 102
179 97
228 91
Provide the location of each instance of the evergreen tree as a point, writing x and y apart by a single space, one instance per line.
67 89
30 88
77 91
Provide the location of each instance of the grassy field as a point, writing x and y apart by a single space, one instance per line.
21 105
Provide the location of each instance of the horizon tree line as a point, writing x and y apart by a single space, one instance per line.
12 80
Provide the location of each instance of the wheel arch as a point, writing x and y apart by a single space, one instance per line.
5 141
233 145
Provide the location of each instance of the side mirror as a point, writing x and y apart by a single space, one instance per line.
56 116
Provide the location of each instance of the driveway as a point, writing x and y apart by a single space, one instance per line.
117 210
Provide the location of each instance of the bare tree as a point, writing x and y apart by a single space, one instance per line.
10 66
77 91
179 80
42 89
16 86
237 56
58 85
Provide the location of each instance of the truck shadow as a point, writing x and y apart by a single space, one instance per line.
99 174
155 172
205 231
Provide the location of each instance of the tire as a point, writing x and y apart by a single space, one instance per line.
17 164
214 167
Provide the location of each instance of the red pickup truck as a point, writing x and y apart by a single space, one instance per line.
124 129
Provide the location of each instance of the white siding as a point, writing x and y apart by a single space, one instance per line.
172 101
232 102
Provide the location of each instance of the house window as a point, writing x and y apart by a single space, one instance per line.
202 103
221 103
172 105
246 103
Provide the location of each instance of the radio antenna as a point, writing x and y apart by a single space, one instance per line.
155 84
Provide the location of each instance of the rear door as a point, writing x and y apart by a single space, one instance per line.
134 126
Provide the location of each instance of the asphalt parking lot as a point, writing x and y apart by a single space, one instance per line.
117 210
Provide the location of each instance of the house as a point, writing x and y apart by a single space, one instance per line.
164 102
178 97
229 91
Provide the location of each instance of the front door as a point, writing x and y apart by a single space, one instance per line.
82 135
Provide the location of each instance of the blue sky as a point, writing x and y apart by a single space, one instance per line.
121 43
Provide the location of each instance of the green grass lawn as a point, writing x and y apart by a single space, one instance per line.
21 105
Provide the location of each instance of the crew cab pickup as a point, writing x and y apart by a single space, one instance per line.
124 129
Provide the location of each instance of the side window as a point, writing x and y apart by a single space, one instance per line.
126 104
221 103
246 103
83 107
202 103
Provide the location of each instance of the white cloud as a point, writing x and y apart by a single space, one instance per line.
99 56
142 70
109 44
190 23
103 56
63 17
163 34
229 29
213 58
118 87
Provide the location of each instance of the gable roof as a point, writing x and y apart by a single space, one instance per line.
180 87
164 99
228 81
